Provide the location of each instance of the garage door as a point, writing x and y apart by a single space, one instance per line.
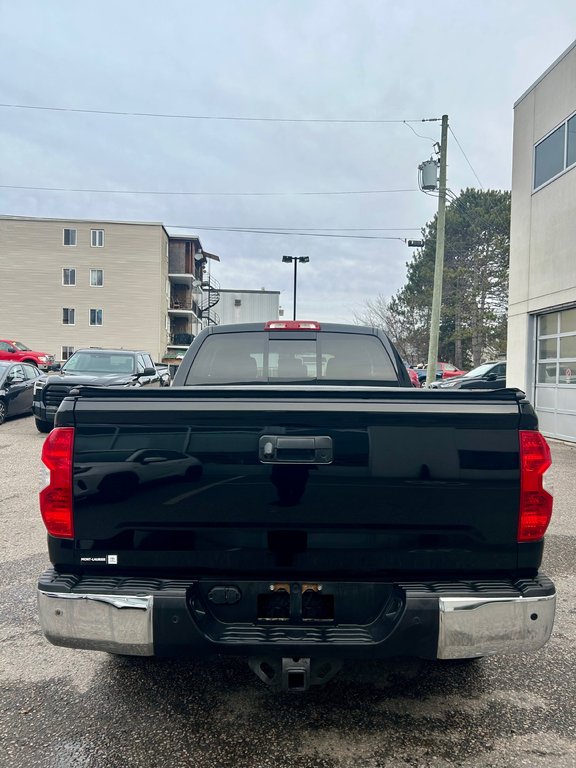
556 374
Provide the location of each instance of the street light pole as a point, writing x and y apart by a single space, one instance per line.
295 283
295 260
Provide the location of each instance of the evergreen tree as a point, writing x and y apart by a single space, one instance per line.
475 285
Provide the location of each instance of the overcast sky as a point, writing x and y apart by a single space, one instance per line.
338 59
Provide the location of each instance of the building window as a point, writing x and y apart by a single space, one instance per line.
95 317
556 363
555 153
68 276
96 277
66 352
237 302
68 315
69 237
571 141
549 158
97 238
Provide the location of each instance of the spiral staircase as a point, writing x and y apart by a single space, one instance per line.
211 296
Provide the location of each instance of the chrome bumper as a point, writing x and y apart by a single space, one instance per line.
471 627
114 623
467 626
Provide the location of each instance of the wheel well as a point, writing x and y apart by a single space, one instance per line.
30 361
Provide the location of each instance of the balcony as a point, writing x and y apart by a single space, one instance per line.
183 306
180 339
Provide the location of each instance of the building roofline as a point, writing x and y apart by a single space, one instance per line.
187 234
5 217
242 290
546 73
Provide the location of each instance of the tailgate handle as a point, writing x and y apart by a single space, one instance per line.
288 449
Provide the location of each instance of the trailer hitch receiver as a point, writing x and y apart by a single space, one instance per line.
294 674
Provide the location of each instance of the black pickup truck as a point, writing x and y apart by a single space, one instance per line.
291 499
98 367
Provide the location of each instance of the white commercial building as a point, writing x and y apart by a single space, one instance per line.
542 311
248 306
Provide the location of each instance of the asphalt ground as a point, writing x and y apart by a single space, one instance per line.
62 708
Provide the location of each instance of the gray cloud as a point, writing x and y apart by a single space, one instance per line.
303 58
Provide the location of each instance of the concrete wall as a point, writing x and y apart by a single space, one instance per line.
543 228
134 261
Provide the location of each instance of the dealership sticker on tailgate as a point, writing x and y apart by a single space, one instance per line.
108 559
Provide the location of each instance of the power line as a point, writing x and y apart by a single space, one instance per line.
174 116
206 194
313 229
420 136
291 233
465 157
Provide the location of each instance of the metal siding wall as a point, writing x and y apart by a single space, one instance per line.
256 307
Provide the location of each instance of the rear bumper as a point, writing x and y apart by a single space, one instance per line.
147 617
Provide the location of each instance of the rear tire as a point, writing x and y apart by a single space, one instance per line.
43 426
3 412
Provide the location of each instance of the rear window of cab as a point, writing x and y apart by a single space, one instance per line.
327 358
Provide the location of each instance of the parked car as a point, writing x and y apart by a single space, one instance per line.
16 352
95 367
413 376
164 372
486 376
443 371
16 388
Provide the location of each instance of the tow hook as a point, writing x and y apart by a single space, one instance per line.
294 674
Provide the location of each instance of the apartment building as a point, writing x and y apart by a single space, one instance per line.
192 292
542 310
73 283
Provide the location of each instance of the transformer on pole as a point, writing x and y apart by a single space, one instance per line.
428 175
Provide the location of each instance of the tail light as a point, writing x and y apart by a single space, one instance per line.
56 497
292 325
535 500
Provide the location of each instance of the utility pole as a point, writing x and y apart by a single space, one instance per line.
439 263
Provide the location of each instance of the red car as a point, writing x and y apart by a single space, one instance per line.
16 352
413 377
443 371
448 370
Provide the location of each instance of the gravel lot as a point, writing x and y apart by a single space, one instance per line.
62 708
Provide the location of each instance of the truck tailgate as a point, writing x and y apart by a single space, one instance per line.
310 480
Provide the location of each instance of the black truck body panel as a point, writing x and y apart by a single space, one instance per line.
419 482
